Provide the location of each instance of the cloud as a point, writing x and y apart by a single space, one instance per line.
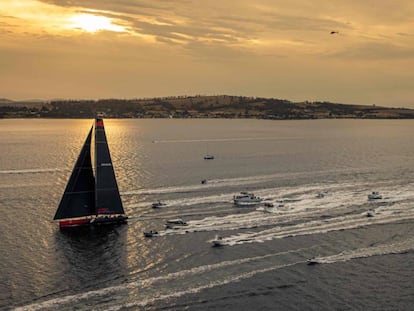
256 27
159 47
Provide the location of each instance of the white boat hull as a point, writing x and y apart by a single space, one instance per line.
374 197
247 203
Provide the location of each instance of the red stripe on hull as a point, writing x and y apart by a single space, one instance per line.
73 222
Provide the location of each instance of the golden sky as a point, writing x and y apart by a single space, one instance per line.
267 48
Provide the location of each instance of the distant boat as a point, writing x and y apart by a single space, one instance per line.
88 198
150 234
268 207
370 214
174 223
312 261
158 204
246 198
218 241
374 196
203 181
208 157
321 195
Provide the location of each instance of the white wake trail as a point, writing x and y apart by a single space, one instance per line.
31 171
147 294
384 249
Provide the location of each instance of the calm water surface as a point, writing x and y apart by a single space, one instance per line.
365 262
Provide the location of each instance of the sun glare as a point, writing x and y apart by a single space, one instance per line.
93 23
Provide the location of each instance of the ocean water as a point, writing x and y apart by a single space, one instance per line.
365 263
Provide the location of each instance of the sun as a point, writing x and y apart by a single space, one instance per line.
93 23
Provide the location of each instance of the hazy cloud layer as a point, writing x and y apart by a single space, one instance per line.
274 48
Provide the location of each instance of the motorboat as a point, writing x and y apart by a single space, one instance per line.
370 213
321 195
374 196
218 241
208 157
246 198
312 261
174 223
203 181
158 204
150 234
268 207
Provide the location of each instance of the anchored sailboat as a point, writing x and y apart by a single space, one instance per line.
90 199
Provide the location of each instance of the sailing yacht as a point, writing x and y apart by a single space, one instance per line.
92 199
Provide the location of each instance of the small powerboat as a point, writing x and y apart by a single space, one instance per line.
175 223
246 198
218 241
150 234
208 157
312 261
321 195
158 204
374 196
370 213
203 181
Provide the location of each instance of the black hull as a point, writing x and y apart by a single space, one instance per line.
108 220
312 263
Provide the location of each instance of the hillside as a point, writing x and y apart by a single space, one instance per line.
198 107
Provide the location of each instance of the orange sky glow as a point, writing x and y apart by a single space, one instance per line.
150 48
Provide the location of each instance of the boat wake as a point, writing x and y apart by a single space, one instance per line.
231 182
337 195
384 249
317 227
173 285
306 216
149 290
211 184
282 227
32 171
